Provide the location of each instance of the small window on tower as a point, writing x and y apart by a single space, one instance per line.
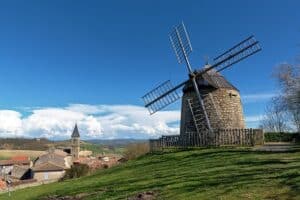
232 95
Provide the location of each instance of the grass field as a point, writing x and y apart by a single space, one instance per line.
193 174
6 154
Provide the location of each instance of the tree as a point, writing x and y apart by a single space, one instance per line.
76 171
276 115
288 77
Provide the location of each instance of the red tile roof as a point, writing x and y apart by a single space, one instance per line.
2 185
20 157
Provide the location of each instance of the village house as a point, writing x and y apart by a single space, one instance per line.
52 166
57 157
6 166
15 170
48 171
20 172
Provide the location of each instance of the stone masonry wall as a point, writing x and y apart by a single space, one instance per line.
223 107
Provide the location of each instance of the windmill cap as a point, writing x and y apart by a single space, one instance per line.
210 72
212 78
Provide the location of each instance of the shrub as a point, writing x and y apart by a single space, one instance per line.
76 171
282 137
133 151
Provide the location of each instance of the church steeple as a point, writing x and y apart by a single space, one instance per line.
75 133
75 139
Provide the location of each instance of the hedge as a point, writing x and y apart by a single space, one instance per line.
282 137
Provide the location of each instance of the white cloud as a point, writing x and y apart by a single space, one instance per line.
254 98
10 123
100 121
58 122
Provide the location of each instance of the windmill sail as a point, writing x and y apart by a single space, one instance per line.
182 46
235 54
161 96
181 42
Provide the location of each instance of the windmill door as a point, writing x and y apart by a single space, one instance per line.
46 176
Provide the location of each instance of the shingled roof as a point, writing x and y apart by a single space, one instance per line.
75 132
48 166
19 171
51 157
213 79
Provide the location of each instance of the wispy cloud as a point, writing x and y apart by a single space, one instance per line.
253 121
253 118
258 97
94 121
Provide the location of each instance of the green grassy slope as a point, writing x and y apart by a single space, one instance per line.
193 174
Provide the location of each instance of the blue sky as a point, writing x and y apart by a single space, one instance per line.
55 54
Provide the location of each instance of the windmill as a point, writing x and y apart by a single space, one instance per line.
198 99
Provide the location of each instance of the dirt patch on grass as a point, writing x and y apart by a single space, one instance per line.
57 197
150 195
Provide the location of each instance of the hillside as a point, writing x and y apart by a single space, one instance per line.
116 142
25 144
193 174
9 145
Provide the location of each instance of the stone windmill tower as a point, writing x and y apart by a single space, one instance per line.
221 100
209 101
75 143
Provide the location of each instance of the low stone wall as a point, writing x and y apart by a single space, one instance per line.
219 137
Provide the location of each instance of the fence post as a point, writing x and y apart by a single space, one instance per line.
252 137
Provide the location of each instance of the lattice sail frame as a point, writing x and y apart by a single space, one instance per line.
242 50
181 42
160 97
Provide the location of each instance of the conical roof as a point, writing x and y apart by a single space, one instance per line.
75 132
216 80
212 78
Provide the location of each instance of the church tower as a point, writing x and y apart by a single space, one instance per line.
75 140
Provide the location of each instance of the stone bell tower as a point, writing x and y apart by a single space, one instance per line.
75 140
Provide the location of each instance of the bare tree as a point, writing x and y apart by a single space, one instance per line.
288 77
276 116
